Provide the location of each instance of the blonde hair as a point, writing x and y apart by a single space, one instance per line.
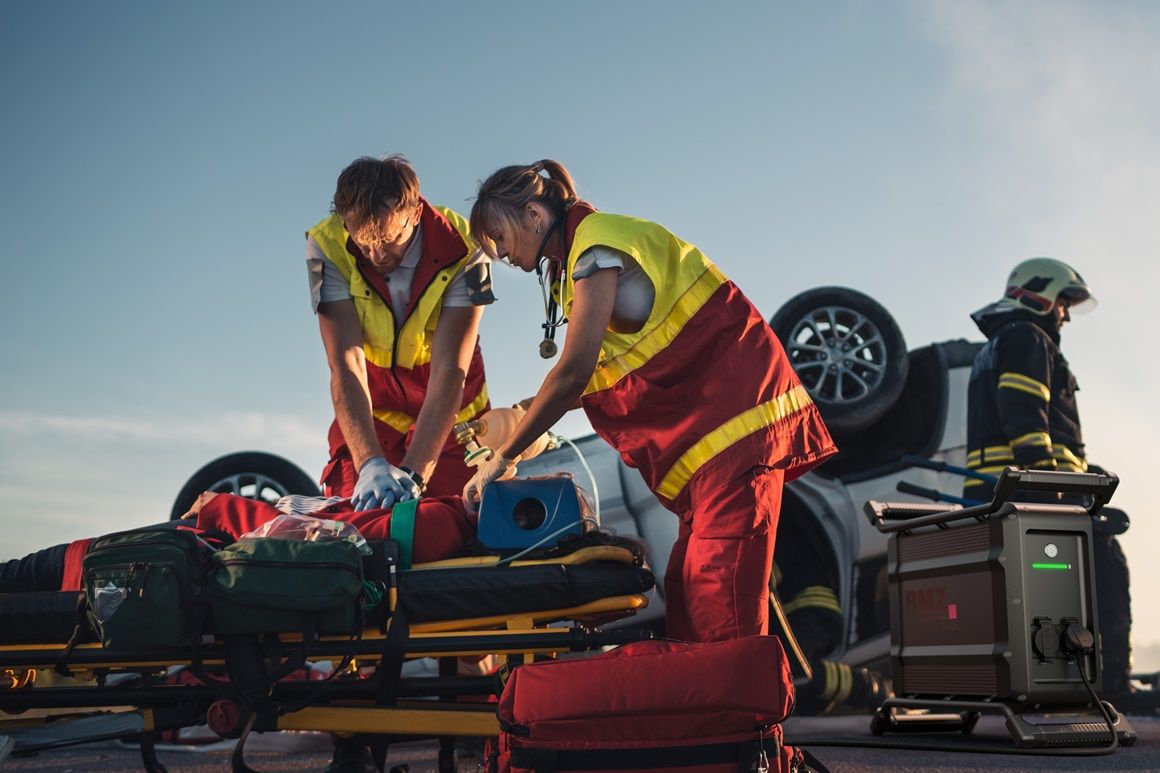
504 195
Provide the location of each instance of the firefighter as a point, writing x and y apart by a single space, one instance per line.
677 370
398 287
1022 411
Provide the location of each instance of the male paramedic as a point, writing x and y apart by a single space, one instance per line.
398 287
1022 411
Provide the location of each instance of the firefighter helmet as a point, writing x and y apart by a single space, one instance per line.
1036 285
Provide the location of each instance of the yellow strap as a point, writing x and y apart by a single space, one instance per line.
1021 383
1065 455
991 454
845 683
727 434
814 597
831 680
1033 439
402 422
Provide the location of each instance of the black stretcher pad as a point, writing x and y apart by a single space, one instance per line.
426 595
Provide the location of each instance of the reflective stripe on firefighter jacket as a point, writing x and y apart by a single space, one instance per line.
1021 406
703 391
398 355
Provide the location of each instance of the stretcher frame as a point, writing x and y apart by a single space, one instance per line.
345 704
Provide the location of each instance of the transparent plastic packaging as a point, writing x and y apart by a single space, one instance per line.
310 529
108 600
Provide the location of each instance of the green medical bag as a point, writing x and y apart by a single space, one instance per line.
267 585
145 587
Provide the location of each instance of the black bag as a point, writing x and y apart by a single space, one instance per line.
145 587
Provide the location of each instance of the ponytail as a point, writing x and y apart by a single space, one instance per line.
503 196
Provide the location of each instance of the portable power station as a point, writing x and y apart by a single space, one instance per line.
520 513
981 600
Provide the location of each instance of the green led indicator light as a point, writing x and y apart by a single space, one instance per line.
1058 567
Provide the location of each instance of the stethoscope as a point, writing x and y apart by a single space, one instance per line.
550 267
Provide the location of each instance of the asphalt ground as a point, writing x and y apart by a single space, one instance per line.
311 751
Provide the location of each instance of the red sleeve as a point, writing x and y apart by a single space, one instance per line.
234 515
74 556
443 526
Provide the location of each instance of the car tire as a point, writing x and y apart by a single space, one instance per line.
252 474
848 352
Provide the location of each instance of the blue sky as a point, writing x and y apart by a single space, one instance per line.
161 162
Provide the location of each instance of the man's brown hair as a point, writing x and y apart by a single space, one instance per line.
372 188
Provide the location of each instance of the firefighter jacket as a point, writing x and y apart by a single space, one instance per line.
398 352
1021 400
703 391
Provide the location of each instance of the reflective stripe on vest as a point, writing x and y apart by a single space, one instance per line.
447 248
686 284
375 316
402 422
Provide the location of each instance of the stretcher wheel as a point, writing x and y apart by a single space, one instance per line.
224 717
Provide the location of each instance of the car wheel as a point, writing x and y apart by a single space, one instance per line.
250 474
848 352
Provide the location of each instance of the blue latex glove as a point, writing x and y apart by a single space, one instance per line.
381 484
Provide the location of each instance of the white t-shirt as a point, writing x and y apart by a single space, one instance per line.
635 293
328 284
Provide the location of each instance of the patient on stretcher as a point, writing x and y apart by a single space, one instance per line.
443 528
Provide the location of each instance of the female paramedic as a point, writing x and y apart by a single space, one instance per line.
677 370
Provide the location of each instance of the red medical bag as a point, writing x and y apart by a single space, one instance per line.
651 706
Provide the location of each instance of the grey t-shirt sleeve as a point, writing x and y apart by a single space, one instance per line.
598 257
326 282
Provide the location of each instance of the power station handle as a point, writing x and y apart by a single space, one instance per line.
879 513
1099 486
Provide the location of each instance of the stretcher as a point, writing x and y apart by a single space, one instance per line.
519 611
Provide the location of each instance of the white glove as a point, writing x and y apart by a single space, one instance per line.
497 467
381 484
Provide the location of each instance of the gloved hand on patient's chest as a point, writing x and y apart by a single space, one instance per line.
381 484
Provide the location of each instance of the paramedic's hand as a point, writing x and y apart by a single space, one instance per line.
497 467
381 484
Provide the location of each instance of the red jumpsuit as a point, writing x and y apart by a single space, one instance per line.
704 403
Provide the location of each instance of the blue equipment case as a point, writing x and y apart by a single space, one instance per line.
518 513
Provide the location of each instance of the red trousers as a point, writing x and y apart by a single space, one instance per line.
717 581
